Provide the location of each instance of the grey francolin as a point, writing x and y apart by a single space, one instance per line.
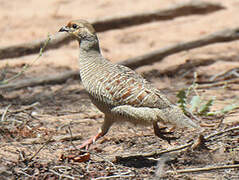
119 92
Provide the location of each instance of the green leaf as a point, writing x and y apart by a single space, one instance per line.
182 100
206 107
195 103
229 108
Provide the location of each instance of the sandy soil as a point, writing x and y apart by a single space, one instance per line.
67 105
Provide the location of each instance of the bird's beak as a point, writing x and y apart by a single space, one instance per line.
64 29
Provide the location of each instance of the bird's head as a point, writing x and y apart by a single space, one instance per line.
79 29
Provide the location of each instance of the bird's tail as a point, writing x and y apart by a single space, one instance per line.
174 115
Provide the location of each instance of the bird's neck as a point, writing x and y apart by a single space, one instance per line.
90 61
90 53
89 44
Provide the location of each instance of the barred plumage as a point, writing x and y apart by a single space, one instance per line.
119 92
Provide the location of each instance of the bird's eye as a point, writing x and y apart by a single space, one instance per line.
74 26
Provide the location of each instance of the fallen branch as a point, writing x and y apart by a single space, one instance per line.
177 148
180 69
34 47
203 169
155 153
158 55
184 9
187 66
133 63
53 79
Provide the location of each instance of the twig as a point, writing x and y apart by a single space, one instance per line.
183 9
222 132
22 172
96 154
61 175
25 108
225 75
203 169
34 47
36 153
5 112
159 172
21 109
115 176
122 175
26 66
69 127
216 84
53 139
157 152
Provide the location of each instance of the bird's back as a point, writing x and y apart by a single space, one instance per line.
110 85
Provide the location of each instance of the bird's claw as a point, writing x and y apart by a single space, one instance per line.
161 133
90 141
86 144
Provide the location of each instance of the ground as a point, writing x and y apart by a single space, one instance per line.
43 117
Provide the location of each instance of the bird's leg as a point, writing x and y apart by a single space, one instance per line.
90 141
102 131
160 132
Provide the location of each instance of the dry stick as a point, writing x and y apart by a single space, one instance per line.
216 84
222 132
160 152
24 108
34 46
21 109
36 153
115 176
156 152
204 169
4 113
26 66
69 127
22 172
60 138
61 175
53 79
189 65
225 75
156 56
183 9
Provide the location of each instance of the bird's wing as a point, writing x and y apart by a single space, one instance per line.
126 87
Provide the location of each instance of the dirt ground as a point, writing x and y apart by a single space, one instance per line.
44 118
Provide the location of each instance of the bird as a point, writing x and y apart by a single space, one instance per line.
119 92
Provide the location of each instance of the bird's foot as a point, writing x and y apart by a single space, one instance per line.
161 133
86 144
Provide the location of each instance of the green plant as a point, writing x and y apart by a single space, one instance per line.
198 105
26 66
